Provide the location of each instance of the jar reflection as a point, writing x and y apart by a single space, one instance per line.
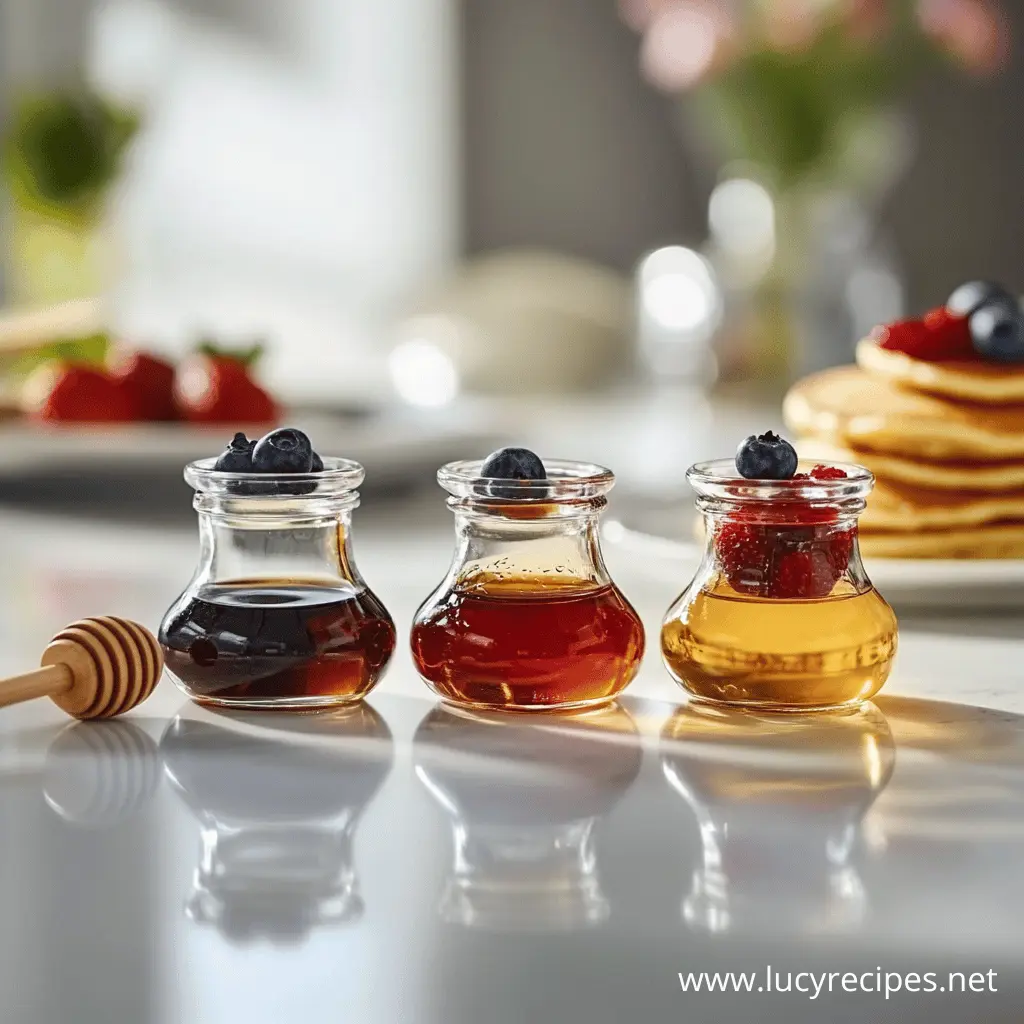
278 814
946 838
779 800
524 797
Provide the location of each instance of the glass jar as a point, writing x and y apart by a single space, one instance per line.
276 615
781 614
527 618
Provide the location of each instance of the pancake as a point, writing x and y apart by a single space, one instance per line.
1002 540
946 476
987 383
847 404
903 508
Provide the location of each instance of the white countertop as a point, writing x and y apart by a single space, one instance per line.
183 867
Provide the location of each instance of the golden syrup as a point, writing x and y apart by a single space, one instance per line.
779 654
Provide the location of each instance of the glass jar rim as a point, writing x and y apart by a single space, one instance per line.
338 477
567 480
719 480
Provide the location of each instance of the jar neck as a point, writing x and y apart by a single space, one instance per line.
531 542
775 513
250 540
826 538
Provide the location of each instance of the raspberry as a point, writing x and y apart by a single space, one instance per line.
801 553
743 554
840 549
821 472
940 336
803 574
837 545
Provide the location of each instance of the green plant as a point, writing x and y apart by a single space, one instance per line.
63 150
793 113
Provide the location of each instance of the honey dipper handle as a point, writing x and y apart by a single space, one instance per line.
41 683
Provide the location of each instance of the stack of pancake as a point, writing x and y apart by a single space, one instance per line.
945 441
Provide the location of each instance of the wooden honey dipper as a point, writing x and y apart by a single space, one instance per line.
94 668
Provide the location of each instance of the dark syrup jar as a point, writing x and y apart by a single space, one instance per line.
528 618
276 616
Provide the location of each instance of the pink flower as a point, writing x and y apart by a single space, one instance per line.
637 14
791 26
685 42
865 21
974 32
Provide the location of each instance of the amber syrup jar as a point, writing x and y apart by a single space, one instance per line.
527 618
781 614
276 616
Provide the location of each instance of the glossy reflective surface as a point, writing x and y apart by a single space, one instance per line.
404 862
411 859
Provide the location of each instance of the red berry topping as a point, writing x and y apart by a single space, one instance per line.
939 337
821 472
798 560
840 548
939 318
743 555
803 574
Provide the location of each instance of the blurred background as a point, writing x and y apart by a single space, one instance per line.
414 202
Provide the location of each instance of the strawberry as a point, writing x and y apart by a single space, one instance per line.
804 574
149 380
214 386
743 554
74 393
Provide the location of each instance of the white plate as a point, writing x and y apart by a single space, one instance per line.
391 443
657 540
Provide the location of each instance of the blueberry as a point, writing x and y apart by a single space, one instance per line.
511 464
968 298
285 450
237 457
766 457
252 488
307 486
997 331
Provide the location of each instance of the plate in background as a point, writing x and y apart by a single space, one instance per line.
660 540
394 444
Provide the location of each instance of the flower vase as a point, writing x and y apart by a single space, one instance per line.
807 267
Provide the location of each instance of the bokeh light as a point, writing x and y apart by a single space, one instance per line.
422 374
